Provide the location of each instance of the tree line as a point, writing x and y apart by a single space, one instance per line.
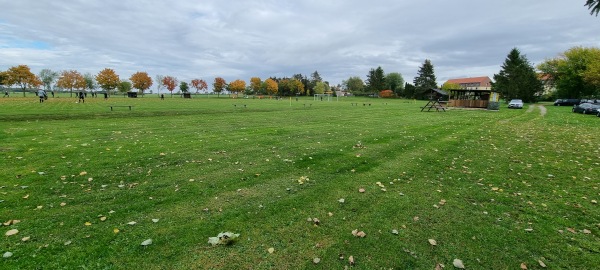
108 81
574 74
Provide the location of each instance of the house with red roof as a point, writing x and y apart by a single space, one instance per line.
474 83
475 92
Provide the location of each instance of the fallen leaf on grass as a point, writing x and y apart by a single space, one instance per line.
571 230
351 260
542 264
458 264
155 220
131 223
358 233
586 231
11 232
395 232
224 238
63 203
361 190
146 242
115 230
316 260
103 218
67 243
432 242
303 179
26 238
439 266
341 200
316 221
523 266
11 222
271 250
83 173
7 254
26 196
88 223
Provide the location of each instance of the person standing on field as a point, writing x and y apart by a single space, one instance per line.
81 97
41 94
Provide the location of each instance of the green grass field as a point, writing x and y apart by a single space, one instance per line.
493 189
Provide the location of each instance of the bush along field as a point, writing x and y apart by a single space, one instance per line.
219 183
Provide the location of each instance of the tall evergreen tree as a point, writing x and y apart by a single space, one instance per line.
314 79
425 79
409 91
517 78
375 80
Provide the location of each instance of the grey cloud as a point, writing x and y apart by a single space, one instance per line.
241 39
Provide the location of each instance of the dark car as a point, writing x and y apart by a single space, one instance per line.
586 108
567 102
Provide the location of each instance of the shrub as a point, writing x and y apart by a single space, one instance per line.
386 94
494 106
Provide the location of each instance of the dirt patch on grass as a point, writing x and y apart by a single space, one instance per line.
543 110
530 108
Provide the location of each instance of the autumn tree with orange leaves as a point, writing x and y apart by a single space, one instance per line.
22 76
170 83
271 86
199 85
255 84
108 79
296 86
219 85
141 81
237 86
71 79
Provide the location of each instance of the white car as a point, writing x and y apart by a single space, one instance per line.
515 104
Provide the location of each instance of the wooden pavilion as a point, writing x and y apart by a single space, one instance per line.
472 98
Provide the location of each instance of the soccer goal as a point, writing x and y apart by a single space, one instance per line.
322 97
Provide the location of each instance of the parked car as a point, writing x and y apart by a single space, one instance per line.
586 108
515 104
590 101
567 102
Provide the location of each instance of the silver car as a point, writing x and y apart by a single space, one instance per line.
515 104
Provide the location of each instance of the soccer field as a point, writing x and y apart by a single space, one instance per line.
358 182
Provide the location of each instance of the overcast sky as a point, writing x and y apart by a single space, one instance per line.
241 39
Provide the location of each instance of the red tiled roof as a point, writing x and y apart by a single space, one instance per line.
544 77
470 80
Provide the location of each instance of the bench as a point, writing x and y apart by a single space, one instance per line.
111 106
436 107
440 108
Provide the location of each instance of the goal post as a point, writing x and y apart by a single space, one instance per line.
322 97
